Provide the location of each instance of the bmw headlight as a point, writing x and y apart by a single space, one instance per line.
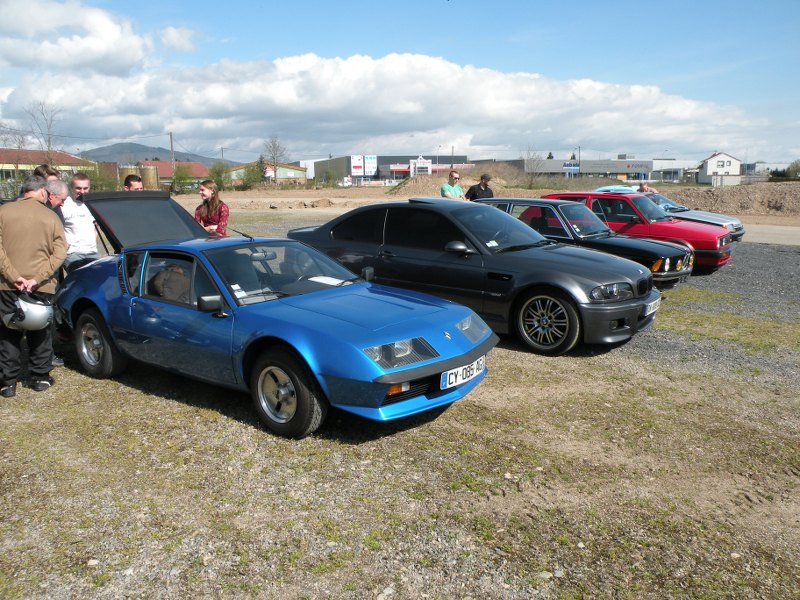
473 328
401 353
612 292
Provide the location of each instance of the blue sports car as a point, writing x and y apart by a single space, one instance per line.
270 316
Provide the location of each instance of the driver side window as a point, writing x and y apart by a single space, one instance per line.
420 228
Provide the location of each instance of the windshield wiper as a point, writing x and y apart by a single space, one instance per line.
525 246
346 281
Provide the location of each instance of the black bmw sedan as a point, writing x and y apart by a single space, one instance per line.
574 223
551 295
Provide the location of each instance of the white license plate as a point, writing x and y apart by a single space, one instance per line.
652 307
460 375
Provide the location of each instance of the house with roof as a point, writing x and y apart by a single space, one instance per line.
195 172
20 162
720 169
286 173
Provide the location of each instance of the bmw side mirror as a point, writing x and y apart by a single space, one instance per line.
457 248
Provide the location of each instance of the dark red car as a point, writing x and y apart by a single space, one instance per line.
635 215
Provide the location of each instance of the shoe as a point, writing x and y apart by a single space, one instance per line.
40 384
8 391
57 361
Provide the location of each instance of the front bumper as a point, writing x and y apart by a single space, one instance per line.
712 258
616 322
369 398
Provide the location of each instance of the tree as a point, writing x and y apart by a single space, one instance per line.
12 138
572 157
42 118
276 154
549 156
793 170
220 174
534 165
181 179
253 175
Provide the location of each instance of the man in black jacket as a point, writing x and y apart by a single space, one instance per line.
480 189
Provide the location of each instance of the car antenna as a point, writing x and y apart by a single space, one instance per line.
242 233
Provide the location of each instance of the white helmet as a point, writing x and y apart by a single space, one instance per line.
31 314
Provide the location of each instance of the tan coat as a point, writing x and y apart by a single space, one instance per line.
32 244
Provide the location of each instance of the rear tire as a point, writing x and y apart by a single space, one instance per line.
285 395
97 353
547 322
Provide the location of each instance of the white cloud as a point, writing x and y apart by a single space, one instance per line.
399 103
68 36
178 38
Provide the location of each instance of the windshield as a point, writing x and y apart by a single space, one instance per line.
263 271
651 211
582 220
496 229
666 204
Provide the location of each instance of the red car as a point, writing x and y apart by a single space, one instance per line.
635 215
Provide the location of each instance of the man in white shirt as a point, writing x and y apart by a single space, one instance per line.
79 225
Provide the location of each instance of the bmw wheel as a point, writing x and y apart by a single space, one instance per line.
548 322
284 395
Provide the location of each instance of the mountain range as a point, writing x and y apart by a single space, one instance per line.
129 154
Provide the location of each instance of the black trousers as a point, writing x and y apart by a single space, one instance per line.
40 345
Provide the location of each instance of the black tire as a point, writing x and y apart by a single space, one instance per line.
97 353
547 322
285 395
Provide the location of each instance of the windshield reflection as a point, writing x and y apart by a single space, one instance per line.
259 272
496 229
651 211
667 204
582 220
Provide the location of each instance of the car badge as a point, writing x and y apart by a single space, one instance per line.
447 335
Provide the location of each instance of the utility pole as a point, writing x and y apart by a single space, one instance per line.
222 154
172 156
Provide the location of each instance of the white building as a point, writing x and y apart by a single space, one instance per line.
720 169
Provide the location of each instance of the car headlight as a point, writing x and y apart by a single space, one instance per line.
401 353
473 328
611 292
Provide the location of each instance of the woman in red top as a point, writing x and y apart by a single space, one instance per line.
213 212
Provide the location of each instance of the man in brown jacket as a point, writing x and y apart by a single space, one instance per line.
32 248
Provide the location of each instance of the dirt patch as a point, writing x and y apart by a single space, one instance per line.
773 200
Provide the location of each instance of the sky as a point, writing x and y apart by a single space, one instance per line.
502 79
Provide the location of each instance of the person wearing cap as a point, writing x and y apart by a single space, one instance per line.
480 189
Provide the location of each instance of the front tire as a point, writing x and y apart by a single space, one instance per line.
284 395
547 322
97 353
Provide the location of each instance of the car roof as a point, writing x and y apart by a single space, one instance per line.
527 201
136 218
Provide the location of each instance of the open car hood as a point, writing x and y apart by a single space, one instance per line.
134 218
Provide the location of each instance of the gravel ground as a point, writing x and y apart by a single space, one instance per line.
763 279
611 472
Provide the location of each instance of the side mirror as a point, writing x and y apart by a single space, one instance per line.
368 273
457 248
211 304
634 219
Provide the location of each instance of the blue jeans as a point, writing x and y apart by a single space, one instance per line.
77 259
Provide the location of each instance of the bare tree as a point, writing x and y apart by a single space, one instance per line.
276 154
43 118
534 165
